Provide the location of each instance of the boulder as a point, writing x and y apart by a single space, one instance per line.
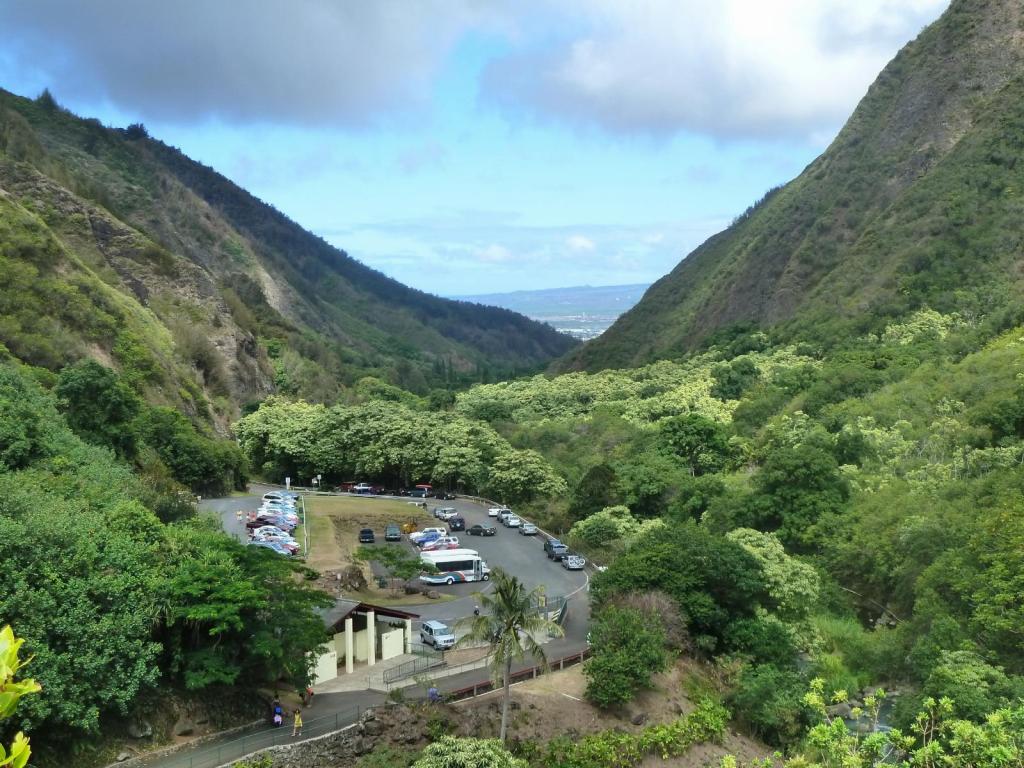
839 710
122 756
433 594
184 727
140 729
359 746
639 718
373 727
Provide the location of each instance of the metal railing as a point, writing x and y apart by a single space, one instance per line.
411 668
484 686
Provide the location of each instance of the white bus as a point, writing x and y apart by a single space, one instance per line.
454 565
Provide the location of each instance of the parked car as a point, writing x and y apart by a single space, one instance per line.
290 544
427 538
444 495
417 537
573 562
273 546
436 634
362 488
366 536
555 549
445 513
418 493
528 529
511 521
496 511
481 530
504 515
457 523
441 542
392 533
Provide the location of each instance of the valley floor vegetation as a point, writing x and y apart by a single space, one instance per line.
791 512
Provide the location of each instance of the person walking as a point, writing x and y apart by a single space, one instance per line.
308 700
297 725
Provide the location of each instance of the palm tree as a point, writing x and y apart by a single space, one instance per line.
507 623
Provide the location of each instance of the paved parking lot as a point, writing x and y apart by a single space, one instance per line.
522 556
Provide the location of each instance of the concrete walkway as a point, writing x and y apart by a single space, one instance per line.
332 711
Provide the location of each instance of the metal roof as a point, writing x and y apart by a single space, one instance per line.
343 608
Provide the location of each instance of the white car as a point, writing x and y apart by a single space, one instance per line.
496 511
513 522
445 513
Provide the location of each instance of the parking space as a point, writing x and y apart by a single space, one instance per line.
522 556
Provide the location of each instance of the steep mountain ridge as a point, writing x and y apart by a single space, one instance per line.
913 204
245 300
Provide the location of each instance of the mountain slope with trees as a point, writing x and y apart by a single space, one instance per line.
916 203
122 249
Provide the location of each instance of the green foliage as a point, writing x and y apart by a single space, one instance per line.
770 701
387 757
98 406
934 737
974 686
11 691
702 444
203 464
611 524
28 422
629 647
625 750
453 752
678 560
793 585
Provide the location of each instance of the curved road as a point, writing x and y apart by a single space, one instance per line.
522 555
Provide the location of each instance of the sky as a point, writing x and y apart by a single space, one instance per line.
470 146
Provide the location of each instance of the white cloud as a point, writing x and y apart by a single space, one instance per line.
579 243
494 254
730 69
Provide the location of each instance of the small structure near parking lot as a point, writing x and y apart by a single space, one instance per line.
361 632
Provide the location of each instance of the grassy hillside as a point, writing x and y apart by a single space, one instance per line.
916 203
143 252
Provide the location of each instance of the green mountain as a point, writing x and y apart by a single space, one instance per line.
118 247
917 203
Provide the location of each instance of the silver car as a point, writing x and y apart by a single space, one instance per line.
528 529
573 562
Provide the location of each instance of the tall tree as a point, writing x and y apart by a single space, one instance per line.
507 623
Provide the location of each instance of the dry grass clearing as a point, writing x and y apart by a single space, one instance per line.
334 524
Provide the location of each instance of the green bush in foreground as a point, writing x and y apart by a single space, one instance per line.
616 749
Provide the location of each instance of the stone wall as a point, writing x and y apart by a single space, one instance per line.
331 751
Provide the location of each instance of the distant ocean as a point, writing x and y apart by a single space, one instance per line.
581 311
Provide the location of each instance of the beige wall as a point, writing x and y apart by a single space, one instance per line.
326 667
392 643
360 650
